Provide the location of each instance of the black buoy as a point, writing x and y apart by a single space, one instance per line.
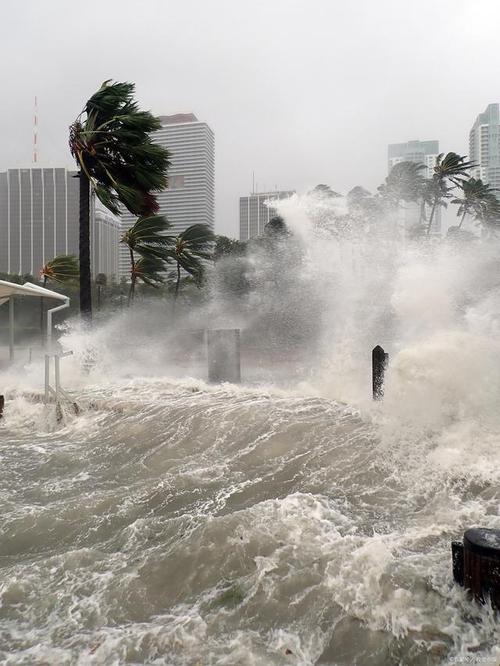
476 564
379 364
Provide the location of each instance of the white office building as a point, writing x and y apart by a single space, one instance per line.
190 195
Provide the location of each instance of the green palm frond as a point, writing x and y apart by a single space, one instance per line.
405 182
191 248
111 142
148 237
60 269
478 199
452 167
149 270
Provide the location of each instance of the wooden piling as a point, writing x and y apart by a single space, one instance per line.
476 564
379 364
223 355
2 405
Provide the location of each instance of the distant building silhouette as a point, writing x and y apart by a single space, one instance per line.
419 152
484 146
190 196
256 210
39 219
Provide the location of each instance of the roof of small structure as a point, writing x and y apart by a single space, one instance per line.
8 289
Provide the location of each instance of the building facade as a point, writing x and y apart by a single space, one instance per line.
484 146
39 220
420 152
190 195
256 210
105 230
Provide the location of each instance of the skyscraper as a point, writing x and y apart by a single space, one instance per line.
39 220
420 152
484 146
190 195
256 210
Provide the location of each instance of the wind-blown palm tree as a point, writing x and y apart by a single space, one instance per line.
404 183
117 158
478 199
147 237
61 269
450 171
148 269
192 247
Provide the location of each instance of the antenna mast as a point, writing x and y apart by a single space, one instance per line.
35 132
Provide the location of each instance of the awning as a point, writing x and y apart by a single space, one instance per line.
8 289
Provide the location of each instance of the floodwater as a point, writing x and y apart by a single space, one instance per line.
277 522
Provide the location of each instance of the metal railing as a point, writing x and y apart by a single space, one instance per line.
56 391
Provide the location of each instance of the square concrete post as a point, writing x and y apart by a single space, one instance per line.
223 354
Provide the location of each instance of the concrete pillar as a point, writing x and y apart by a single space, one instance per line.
223 354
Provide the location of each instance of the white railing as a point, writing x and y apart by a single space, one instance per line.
56 391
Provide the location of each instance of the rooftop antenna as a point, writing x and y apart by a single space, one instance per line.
253 182
35 132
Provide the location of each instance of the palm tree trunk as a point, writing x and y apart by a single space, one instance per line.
84 251
41 312
178 281
462 220
423 217
131 292
431 217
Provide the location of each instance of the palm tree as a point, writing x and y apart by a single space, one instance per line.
450 171
191 247
147 238
117 158
404 183
478 199
61 269
149 269
276 227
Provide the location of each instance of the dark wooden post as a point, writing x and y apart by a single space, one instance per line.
476 564
379 364
223 354
2 405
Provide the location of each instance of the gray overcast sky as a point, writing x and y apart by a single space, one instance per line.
301 92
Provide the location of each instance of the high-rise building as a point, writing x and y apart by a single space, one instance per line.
420 152
190 195
105 234
256 210
39 220
484 146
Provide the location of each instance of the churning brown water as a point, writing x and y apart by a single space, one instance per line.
175 523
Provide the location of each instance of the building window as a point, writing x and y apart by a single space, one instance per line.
175 182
